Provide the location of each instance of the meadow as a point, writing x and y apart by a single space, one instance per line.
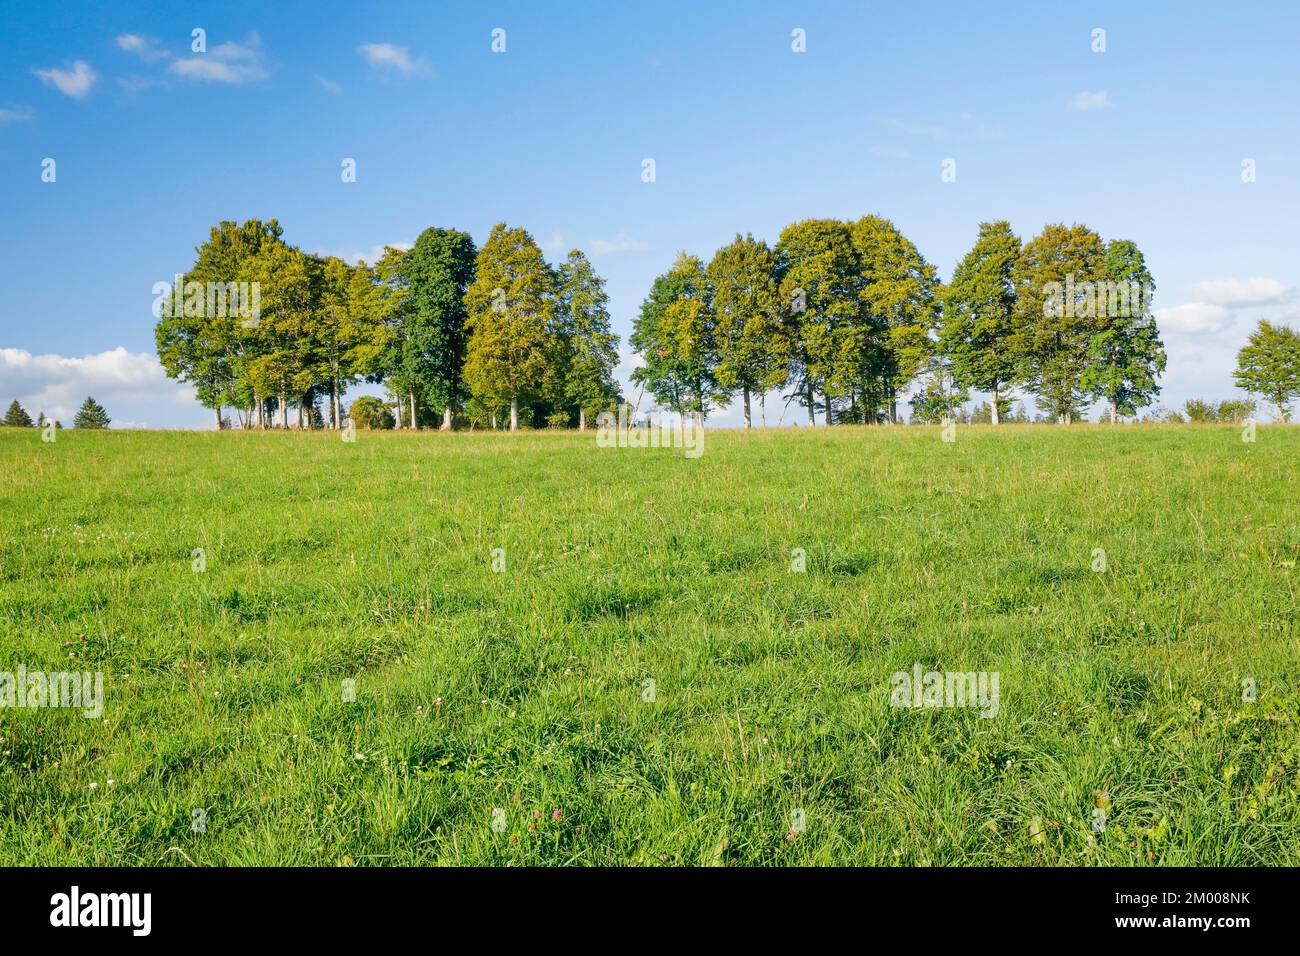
313 653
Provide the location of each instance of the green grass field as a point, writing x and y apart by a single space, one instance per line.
527 690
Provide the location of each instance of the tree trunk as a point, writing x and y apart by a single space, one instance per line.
514 413
414 420
762 408
1112 413
334 403
996 420
582 419
812 408
446 418
218 411
748 422
284 413
494 420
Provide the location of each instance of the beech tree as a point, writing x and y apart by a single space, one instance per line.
1057 276
892 335
819 278
437 272
512 313
591 349
1268 365
754 346
348 329
978 330
676 334
1125 353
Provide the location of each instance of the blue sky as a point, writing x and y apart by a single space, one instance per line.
154 144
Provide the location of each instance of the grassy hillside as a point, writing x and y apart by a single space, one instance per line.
527 690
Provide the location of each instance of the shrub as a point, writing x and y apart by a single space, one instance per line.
370 412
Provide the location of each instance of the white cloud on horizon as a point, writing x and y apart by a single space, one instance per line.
75 82
17 115
1192 318
1233 293
57 385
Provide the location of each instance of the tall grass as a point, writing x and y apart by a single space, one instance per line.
767 735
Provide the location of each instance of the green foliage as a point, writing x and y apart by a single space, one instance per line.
17 416
91 415
588 348
1125 353
1056 276
676 335
898 290
978 331
514 314
754 345
1268 365
820 280
371 413
433 335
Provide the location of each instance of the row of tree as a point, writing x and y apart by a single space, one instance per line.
489 335
90 415
847 315
841 317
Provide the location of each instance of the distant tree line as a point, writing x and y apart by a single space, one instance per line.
841 318
90 415
847 316
489 336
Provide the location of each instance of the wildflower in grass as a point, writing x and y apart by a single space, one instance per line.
537 814
556 815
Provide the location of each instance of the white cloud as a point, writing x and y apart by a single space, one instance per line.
557 244
329 86
620 243
18 115
916 128
57 385
390 57
75 82
1256 290
144 47
1100 100
1192 318
889 152
227 63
